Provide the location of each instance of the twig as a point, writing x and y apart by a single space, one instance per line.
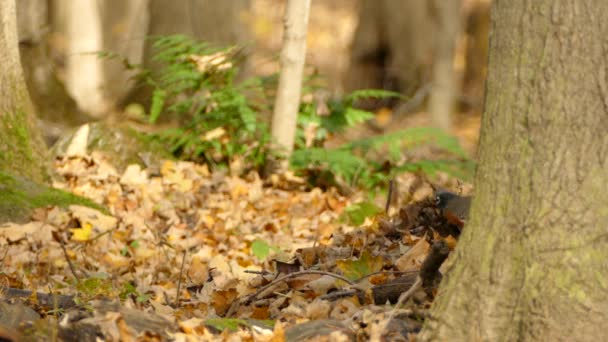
402 299
254 295
67 258
263 272
429 271
179 281
389 196
296 274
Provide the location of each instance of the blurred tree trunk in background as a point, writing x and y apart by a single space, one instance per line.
216 22
125 26
476 56
77 32
392 46
83 28
445 87
52 103
293 56
409 46
531 263
22 151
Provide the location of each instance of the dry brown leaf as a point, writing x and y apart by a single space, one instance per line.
414 257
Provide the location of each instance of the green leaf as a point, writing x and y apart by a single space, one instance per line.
355 116
261 249
359 268
372 93
356 214
222 324
158 101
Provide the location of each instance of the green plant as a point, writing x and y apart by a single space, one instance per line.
261 249
371 162
355 214
129 290
341 114
218 122
92 287
217 115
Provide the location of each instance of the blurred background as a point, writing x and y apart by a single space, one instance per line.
432 51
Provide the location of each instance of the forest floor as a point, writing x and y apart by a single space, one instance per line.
189 254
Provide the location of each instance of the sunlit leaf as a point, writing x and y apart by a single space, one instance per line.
365 265
82 234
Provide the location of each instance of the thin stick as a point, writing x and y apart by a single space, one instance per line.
179 282
296 274
251 297
389 196
402 299
67 258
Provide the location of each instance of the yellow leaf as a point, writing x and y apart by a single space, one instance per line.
82 234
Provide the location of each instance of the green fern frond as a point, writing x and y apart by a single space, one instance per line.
372 93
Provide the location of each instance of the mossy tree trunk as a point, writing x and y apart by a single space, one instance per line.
531 263
22 151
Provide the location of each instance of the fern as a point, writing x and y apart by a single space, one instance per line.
218 121
204 97
356 164
373 93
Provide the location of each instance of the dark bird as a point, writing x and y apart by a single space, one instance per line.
454 208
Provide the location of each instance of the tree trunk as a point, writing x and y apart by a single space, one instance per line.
531 263
293 55
22 151
216 22
444 85
477 29
53 105
124 27
392 47
79 24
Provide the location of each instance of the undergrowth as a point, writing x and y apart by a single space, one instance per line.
219 122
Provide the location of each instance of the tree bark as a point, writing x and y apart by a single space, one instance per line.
531 263
22 151
293 55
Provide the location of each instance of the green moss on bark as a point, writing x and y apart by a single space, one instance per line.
19 152
18 197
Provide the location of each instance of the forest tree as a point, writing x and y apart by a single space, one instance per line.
531 263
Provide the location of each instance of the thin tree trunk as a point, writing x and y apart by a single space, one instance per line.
531 263
445 86
293 55
22 151
82 30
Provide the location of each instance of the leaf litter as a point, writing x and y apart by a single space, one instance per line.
190 254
